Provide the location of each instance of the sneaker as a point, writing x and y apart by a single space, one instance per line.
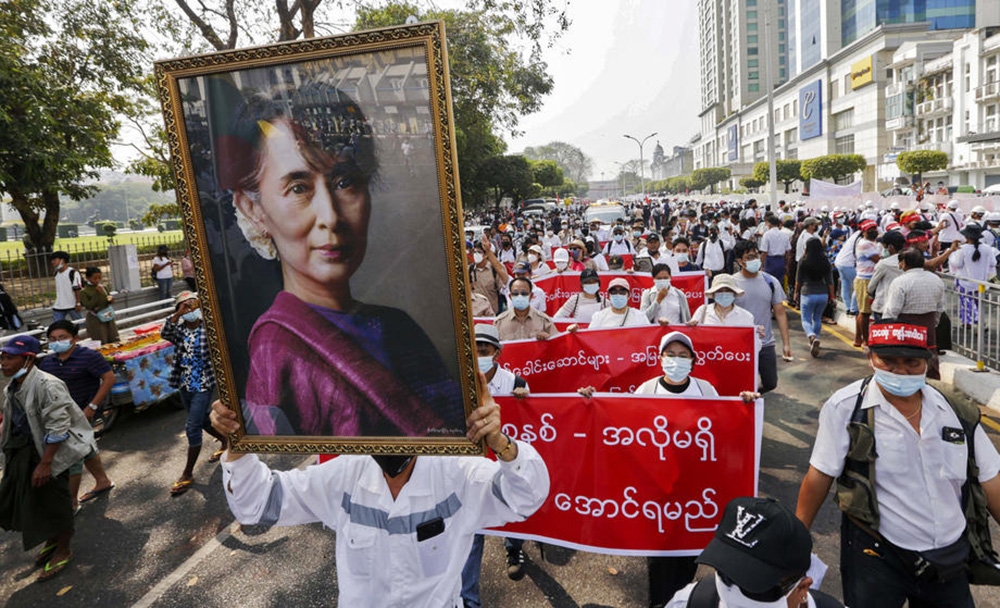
515 565
852 313
814 349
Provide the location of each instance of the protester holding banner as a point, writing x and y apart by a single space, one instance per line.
763 297
522 321
538 266
723 311
582 306
522 270
682 256
619 314
662 303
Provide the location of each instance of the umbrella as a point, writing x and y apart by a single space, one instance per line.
994 189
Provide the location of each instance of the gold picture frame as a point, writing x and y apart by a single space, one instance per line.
306 168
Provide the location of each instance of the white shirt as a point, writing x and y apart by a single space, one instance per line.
609 318
845 257
918 478
800 245
962 264
737 317
696 388
950 233
712 256
775 242
674 306
379 561
613 248
537 296
167 271
66 288
580 308
502 383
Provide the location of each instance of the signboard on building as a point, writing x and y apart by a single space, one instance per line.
733 142
862 73
811 110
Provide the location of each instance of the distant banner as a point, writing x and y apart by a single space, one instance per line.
619 360
561 287
636 475
820 190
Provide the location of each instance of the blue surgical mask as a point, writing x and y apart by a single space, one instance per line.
60 346
619 300
753 266
485 364
661 284
591 288
682 258
677 368
19 373
725 299
521 302
637 233
900 385
193 316
619 237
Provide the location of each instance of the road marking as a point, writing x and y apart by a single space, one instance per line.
829 328
991 423
200 555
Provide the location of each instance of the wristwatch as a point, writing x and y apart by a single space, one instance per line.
94 406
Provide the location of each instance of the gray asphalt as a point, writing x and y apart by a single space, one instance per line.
138 546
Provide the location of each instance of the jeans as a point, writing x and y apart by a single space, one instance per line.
198 406
883 580
847 276
163 286
72 314
470 574
812 306
767 367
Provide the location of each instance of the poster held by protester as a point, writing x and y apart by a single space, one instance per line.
288 159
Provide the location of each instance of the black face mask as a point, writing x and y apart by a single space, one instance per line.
393 465
585 231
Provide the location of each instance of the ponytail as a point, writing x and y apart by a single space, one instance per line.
976 254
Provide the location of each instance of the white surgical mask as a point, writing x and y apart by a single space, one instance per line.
731 596
477 258
485 364
676 368
521 302
562 265
591 288
532 258
661 283
682 258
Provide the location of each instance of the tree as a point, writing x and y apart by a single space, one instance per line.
65 72
156 213
548 174
834 167
788 172
678 184
917 162
708 177
508 176
575 164
750 182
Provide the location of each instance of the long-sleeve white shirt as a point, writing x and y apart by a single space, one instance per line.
380 563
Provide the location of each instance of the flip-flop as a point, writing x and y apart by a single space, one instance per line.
216 455
91 495
180 487
43 555
53 569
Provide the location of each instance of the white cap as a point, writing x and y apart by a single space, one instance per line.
894 206
676 336
978 209
953 204
869 204
825 209
560 255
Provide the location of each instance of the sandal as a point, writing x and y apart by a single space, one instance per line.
216 455
180 487
91 495
53 569
43 555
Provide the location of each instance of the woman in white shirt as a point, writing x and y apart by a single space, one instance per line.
620 314
976 261
662 303
677 358
723 311
582 306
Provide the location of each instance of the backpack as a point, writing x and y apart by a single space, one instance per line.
705 595
856 487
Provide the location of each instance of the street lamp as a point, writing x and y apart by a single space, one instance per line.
642 162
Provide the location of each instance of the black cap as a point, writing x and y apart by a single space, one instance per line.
758 544
588 274
894 238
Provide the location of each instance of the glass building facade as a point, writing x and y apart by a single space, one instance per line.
862 16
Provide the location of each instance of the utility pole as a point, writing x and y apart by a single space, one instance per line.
642 178
769 83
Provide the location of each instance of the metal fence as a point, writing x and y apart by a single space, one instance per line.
27 276
974 310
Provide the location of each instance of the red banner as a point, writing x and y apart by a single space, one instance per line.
560 287
635 475
619 360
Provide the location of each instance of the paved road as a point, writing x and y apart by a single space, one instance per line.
140 547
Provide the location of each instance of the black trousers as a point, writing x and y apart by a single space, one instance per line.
884 580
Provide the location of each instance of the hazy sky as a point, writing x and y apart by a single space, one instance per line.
625 66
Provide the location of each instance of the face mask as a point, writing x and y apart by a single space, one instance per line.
661 283
676 368
898 384
393 465
485 364
19 373
585 231
59 267
521 302
637 233
753 266
725 299
576 254
506 244
619 238
682 258
60 346
477 258
191 317
619 300
731 596
885 253
591 288
532 258
561 265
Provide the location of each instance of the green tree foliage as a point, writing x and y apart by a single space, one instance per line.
66 71
708 177
788 171
508 176
156 213
750 182
548 174
917 162
576 165
833 166
678 184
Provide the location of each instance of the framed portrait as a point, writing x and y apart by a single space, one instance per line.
319 190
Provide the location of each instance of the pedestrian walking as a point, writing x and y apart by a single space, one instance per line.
974 261
163 270
814 287
68 286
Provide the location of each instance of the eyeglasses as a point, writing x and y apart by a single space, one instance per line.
618 291
520 293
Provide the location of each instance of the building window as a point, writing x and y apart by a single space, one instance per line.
782 60
752 63
781 72
752 27
754 75
781 48
845 145
752 39
834 89
753 87
843 120
751 2
751 14
751 50
781 36
781 24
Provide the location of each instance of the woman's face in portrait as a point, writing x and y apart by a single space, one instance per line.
314 206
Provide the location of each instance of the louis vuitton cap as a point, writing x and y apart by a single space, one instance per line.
758 544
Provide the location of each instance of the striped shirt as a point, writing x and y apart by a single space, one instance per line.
81 371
